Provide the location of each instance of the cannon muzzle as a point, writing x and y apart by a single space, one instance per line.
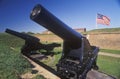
22 35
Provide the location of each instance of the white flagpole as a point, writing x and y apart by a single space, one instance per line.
96 22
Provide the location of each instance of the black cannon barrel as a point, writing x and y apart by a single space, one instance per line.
43 17
22 35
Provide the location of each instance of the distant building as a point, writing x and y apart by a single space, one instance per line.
78 30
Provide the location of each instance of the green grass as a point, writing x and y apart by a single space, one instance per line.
52 61
12 63
105 30
109 65
110 51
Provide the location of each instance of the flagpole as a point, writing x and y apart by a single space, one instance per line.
96 22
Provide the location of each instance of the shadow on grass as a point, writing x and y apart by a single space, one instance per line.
44 65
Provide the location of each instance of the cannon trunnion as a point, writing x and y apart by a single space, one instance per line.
78 56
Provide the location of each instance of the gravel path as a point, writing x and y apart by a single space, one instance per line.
109 54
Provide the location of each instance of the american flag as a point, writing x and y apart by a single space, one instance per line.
101 19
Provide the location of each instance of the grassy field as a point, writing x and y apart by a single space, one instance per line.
109 65
52 61
110 51
12 64
105 30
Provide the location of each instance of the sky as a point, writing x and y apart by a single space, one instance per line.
15 14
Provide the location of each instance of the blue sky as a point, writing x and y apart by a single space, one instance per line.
15 14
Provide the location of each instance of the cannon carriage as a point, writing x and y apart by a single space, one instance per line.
78 56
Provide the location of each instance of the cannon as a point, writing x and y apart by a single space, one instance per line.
78 56
32 43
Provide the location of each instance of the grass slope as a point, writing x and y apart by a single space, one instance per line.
12 64
110 51
105 30
109 65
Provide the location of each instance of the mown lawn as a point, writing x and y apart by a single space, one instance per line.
109 65
53 60
104 30
110 51
12 64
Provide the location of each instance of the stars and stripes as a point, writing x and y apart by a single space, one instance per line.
101 19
